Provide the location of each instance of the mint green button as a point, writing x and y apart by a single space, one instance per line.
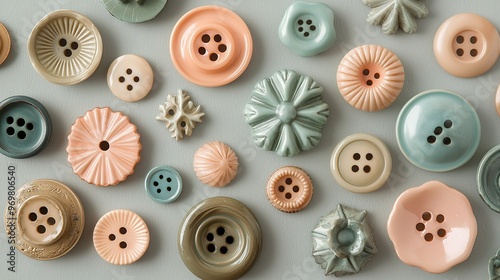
163 184
25 127
134 10
307 28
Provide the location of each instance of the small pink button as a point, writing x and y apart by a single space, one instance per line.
289 189
130 77
211 46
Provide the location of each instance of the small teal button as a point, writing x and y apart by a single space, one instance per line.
163 184
134 10
25 127
438 130
488 176
307 28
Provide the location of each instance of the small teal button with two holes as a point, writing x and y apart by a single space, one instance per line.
163 184
25 127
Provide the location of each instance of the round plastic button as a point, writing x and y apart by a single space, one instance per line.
219 239
361 163
134 10
488 175
25 127
163 184
467 45
4 43
438 130
130 77
215 164
370 77
289 189
49 219
65 47
211 46
307 28
121 237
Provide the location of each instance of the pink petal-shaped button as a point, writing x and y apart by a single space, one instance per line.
432 227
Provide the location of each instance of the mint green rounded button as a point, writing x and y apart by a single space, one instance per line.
134 10
25 127
307 28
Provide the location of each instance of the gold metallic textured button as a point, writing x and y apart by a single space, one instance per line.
4 43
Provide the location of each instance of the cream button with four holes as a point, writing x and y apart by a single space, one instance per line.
130 77
361 163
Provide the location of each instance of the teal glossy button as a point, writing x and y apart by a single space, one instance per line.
488 178
438 130
307 28
134 10
163 184
25 127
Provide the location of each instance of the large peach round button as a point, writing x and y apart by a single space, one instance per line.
467 45
211 46
4 43
289 189
361 163
130 77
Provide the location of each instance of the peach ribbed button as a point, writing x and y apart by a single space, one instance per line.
130 77
215 164
289 189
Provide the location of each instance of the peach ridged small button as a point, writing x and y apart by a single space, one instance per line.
211 46
467 45
289 189
49 219
103 147
4 43
370 77
130 77
121 237
215 164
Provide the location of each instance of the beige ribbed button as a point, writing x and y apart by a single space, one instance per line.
50 219
4 43
130 77
289 189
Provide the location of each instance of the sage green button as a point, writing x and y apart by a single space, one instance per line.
25 127
134 10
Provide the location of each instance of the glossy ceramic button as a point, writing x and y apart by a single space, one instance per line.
370 77
219 239
4 43
467 45
130 77
121 237
134 10
215 164
393 14
289 189
361 163
438 130
307 28
49 219
103 147
211 46
488 175
343 241
494 266
25 127
163 184
65 47
432 227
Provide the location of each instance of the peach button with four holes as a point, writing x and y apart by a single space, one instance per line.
289 189
130 77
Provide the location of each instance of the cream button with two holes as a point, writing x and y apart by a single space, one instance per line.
361 163
130 77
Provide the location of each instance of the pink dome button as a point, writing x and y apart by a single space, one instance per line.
215 164
130 77
211 46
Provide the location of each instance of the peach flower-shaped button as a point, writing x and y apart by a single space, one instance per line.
103 147
211 46
467 45
215 164
432 227
289 189
370 77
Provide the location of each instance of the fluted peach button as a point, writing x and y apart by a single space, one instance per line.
467 45
370 77
289 189
121 237
130 77
215 164
4 43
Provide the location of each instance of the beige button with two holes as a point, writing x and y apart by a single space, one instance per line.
49 219
130 77
361 163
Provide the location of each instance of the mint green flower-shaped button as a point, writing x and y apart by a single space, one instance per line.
307 28
287 113
134 10
438 130
25 127
163 184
